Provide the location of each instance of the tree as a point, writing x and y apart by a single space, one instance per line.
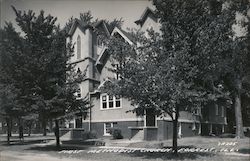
174 71
10 92
86 18
153 78
50 82
226 52
204 30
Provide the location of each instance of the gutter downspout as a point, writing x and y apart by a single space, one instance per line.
90 113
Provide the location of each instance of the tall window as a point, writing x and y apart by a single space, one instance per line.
78 47
104 101
116 66
110 102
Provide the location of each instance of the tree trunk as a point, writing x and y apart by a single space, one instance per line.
20 129
8 130
29 129
57 133
50 125
175 131
44 123
11 126
237 108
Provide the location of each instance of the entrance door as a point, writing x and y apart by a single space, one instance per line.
78 120
150 117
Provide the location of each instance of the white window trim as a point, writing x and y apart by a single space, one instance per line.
107 101
104 130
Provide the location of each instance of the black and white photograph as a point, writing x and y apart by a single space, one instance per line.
124 80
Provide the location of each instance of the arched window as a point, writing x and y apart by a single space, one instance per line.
78 47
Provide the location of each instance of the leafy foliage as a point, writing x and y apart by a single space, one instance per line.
187 65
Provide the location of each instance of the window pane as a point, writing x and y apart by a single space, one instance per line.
110 97
104 98
111 104
118 103
104 105
108 125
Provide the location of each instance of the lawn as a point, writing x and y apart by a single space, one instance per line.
197 142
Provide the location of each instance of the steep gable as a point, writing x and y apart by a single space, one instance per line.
147 13
101 26
104 56
125 35
81 25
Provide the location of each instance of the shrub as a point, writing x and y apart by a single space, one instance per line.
89 135
116 133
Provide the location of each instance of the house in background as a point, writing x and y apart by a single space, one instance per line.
110 111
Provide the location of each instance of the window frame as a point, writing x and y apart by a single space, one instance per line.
108 101
105 133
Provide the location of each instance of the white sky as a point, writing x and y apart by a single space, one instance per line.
129 10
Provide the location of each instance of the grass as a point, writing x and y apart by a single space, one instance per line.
199 142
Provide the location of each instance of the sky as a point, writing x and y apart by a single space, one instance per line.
129 10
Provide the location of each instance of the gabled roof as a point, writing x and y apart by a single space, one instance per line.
127 37
144 16
100 86
77 23
100 62
102 25
101 57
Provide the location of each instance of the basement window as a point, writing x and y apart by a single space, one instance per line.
107 127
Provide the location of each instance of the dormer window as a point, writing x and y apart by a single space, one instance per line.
78 44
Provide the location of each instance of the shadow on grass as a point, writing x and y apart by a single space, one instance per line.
25 142
54 148
170 155
244 151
